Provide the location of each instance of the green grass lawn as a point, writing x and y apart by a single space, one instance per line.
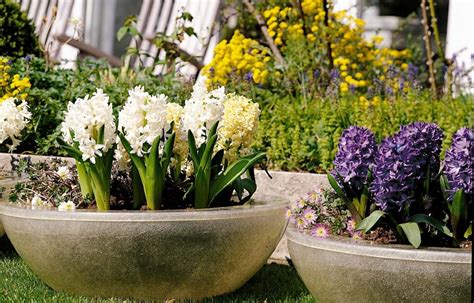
273 283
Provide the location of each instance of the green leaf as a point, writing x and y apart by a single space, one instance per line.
187 16
458 213
137 161
100 136
422 218
207 155
412 232
355 214
233 172
193 149
122 32
367 224
444 186
154 176
71 151
468 232
190 31
337 189
168 152
249 185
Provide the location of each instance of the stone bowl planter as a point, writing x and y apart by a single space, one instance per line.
340 270
146 255
6 184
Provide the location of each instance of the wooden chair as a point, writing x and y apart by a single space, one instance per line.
50 18
160 17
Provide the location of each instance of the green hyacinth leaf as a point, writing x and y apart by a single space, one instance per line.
369 222
422 218
412 232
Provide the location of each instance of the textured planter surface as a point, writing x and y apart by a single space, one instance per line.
155 255
341 270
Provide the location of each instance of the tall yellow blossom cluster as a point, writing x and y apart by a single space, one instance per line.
11 87
357 61
240 57
238 126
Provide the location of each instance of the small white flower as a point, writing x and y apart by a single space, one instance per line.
13 119
37 201
67 206
64 172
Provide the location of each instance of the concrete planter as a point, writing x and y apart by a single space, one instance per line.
146 255
341 270
287 185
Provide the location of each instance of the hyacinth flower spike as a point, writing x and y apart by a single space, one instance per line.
94 178
352 171
405 167
457 183
88 136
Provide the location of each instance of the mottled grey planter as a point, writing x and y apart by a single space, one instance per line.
146 255
341 270
7 184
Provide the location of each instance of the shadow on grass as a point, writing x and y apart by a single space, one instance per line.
273 283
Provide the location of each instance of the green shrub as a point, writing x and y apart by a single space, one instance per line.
17 33
299 136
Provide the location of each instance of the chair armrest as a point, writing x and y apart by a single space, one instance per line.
89 49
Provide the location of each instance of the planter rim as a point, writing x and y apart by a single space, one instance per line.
340 244
206 214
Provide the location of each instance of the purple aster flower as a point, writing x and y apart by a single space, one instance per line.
354 158
320 230
401 164
458 162
309 216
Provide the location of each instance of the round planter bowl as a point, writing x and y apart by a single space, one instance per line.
7 184
146 255
341 270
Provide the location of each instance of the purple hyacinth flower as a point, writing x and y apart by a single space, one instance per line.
458 162
401 164
354 157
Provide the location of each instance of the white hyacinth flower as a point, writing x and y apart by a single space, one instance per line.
67 206
203 110
13 119
142 119
64 172
82 123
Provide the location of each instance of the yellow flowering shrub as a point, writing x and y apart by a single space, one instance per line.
11 86
301 35
239 57
238 126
